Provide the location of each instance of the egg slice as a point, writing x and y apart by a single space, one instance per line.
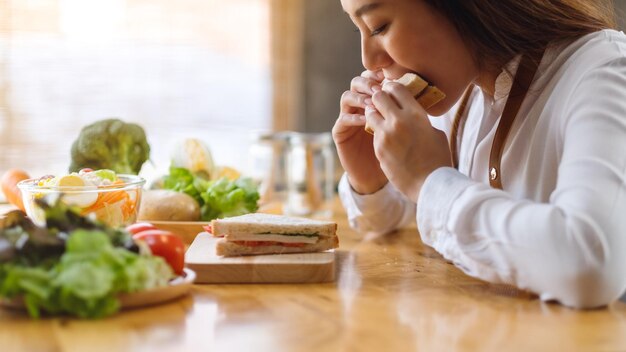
77 191
71 181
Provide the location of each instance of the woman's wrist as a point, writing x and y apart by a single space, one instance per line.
368 187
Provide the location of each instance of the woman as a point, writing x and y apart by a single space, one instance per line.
535 191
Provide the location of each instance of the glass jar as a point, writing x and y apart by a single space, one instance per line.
268 167
310 174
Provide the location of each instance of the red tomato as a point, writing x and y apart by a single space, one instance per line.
140 227
167 245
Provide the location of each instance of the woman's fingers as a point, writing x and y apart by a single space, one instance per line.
374 75
365 85
347 121
361 90
401 95
395 112
373 118
350 100
395 102
354 102
346 126
352 119
384 108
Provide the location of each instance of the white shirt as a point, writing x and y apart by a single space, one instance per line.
559 226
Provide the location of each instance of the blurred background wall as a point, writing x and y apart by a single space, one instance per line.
620 9
181 69
332 58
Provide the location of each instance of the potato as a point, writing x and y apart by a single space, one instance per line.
168 205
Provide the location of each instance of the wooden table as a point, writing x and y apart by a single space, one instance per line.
392 294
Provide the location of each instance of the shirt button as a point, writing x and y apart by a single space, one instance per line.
493 173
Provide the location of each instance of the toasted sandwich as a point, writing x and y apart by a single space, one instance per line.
259 233
427 95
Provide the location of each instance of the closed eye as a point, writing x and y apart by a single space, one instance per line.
379 30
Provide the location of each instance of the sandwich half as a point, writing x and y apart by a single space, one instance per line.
427 95
259 233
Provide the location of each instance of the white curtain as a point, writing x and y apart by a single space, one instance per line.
185 68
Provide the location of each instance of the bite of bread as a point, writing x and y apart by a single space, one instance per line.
427 95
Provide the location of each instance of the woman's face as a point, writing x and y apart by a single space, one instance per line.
400 36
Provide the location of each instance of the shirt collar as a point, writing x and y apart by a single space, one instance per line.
504 81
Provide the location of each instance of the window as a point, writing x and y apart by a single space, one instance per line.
185 68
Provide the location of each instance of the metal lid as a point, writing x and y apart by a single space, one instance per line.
323 138
271 136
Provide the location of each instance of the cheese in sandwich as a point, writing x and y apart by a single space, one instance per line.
427 95
258 233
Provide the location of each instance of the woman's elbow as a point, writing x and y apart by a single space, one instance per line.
589 288
592 270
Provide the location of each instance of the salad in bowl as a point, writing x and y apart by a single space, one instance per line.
102 195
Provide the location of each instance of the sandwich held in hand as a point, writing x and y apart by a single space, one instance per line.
272 234
427 95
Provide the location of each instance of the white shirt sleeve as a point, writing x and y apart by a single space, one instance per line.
380 212
571 249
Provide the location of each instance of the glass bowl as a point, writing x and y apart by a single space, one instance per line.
116 205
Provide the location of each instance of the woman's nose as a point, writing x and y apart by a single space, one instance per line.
373 55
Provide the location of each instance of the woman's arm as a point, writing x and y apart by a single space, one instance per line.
380 212
387 209
573 248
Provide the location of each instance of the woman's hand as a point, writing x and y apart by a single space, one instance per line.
405 143
354 145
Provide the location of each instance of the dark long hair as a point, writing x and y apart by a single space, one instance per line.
498 30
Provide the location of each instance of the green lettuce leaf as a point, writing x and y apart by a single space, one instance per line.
218 198
86 280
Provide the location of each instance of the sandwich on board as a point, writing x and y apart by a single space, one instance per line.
272 234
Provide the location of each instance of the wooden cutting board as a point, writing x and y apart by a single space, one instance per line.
276 268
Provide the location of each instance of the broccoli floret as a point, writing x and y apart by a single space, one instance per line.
110 144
